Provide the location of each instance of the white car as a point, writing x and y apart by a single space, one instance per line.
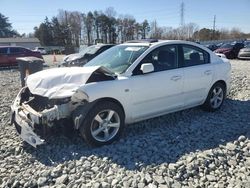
221 55
128 83
41 50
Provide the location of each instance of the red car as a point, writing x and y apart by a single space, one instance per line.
230 50
8 54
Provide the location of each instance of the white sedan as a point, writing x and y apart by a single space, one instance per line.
128 83
41 50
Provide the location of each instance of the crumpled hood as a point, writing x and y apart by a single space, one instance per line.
73 57
59 82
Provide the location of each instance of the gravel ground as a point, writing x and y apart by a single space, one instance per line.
191 148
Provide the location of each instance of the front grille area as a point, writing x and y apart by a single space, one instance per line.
245 55
39 103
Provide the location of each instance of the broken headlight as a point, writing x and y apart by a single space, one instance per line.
79 97
75 62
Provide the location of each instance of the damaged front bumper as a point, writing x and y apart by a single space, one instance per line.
25 118
25 129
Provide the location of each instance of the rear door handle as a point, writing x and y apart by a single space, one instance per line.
176 78
208 72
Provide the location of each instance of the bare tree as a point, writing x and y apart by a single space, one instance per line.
75 20
191 28
224 33
110 12
145 28
72 26
236 33
89 23
156 31
111 24
126 27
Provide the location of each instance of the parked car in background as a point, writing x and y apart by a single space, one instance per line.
245 52
211 46
230 50
219 44
246 43
127 83
41 50
8 55
81 58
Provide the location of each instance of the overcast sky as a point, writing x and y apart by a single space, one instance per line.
26 14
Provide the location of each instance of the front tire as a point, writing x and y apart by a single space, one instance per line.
215 97
103 124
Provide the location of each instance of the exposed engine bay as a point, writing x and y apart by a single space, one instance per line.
43 103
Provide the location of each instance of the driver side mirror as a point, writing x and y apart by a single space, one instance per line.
147 68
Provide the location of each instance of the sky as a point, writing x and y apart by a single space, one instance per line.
26 14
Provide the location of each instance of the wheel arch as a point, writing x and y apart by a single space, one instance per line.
218 81
221 82
109 99
206 104
79 114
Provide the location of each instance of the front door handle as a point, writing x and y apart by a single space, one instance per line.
208 72
176 78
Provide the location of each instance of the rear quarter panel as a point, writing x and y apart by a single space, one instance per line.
222 70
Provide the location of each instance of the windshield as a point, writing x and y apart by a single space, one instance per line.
90 50
227 46
118 58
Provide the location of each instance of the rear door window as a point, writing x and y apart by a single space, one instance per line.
3 51
193 56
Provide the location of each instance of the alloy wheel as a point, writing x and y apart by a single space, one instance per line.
217 97
105 125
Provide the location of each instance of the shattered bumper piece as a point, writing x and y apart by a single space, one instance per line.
25 130
24 120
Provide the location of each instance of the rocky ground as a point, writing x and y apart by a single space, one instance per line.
191 148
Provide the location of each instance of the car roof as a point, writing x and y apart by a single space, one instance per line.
13 47
101 45
143 41
161 42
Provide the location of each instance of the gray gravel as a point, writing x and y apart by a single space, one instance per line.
191 148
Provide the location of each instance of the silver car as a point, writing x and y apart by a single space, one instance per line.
244 53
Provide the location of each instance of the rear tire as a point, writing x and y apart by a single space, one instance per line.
215 97
103 124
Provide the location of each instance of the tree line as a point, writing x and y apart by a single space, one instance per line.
73 28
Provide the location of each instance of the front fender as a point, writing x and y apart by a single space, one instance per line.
80 113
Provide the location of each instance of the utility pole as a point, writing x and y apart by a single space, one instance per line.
155 25
182 14
214 27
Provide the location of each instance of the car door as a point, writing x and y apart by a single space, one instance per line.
198 74
160 91
15 52
3 56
